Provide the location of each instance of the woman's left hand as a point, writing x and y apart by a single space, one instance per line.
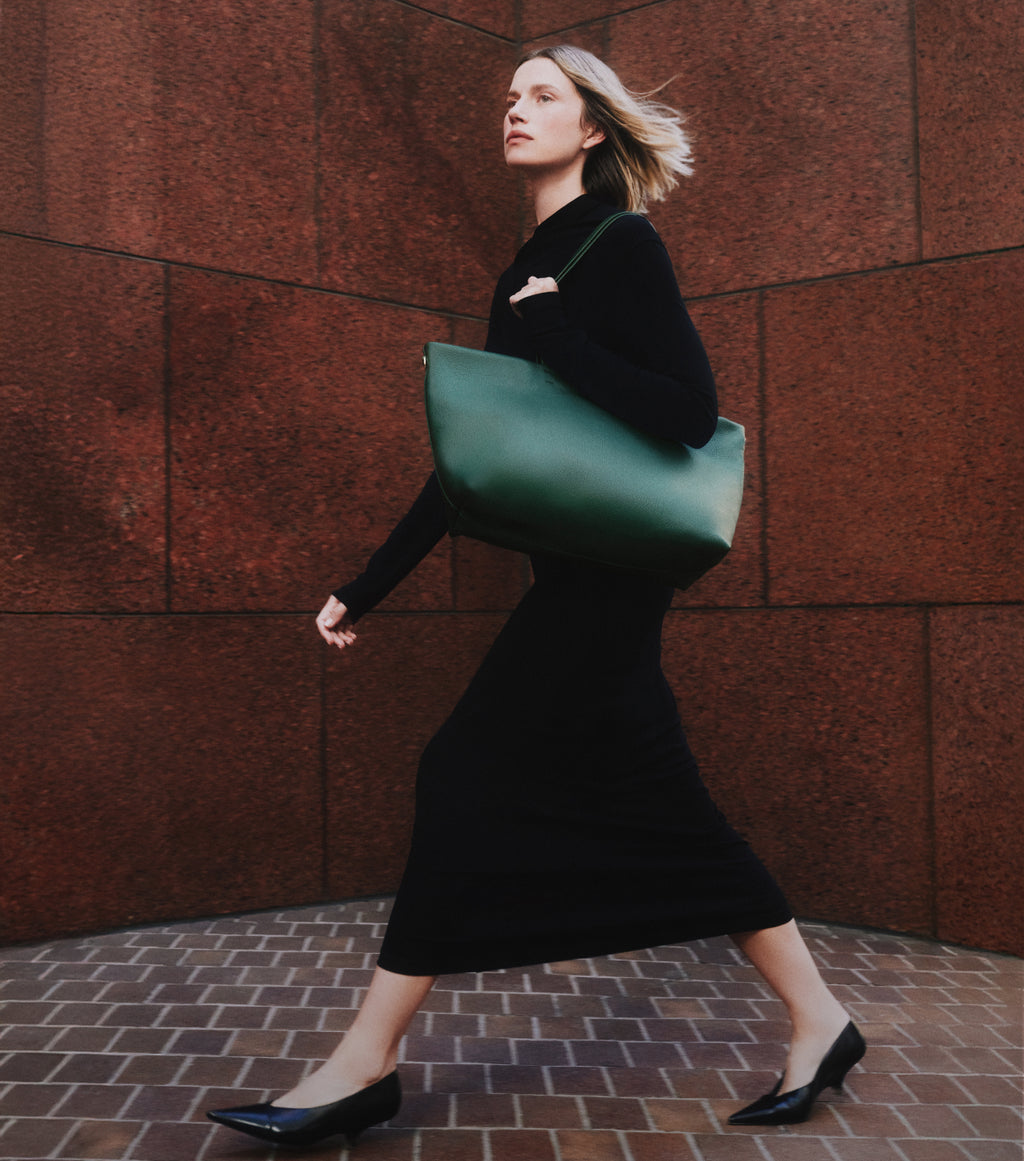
334 624
534 286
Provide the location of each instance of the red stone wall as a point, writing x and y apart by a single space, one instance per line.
225 235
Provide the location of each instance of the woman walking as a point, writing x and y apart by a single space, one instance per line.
559 810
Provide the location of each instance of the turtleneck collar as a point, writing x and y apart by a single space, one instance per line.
571 212
565 225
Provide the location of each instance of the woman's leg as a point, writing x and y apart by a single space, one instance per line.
782 957
369 1049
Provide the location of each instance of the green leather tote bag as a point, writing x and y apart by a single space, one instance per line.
526 463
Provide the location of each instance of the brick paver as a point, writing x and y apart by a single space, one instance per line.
112 1047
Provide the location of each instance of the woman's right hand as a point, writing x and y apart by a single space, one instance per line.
533 286
334 624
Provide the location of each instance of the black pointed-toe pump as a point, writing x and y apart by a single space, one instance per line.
348 1117
791 1108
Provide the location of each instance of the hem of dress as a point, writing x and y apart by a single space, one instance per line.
496 955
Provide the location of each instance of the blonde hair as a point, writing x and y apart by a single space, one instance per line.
645 146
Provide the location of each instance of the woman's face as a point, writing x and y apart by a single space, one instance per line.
544 127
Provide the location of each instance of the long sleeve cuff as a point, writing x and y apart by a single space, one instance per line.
413 537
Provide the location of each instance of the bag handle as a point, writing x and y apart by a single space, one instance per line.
591 239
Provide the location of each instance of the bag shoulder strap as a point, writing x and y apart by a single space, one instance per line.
591 239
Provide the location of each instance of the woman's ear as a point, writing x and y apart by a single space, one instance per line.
594 137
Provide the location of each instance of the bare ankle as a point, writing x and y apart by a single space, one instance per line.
358 1065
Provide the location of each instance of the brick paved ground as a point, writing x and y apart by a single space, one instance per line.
113 1046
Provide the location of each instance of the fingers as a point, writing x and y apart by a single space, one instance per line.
535 286
329 615
334 625
342 640
341 637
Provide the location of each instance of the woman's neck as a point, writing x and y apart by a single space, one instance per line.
551 193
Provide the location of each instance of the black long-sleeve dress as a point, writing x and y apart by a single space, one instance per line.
559 810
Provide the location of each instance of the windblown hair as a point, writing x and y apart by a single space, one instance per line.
645 146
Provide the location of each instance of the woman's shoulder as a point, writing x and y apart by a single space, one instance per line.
634 238
629 229
635 224
635 260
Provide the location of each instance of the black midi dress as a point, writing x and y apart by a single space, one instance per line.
559 810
